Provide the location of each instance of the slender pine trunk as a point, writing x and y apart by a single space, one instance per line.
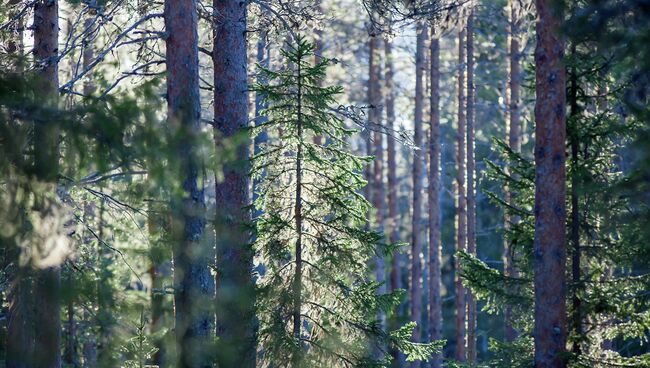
471 196
435 247
461 211
297 281
418 158
514 142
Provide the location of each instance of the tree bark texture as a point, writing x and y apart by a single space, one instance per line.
192 279
236 326
549 250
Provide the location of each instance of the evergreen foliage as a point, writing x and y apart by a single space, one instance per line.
316 304
608 314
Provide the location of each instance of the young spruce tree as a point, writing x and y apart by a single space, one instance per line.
316 306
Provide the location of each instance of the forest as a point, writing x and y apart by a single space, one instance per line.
324 183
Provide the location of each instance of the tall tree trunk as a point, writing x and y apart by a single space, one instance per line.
392 223
549 249
418 158
471 196
461 235
395 275
236 324
576 318
435 247
47 320
514 142
378 194
193 283
297 281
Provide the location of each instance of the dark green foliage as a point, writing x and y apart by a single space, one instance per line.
611 290
319 184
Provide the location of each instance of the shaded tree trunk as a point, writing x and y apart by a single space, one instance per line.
514 142
549 249
576 318
435 246
192 279
47 321
471 196
418 161
236 324
461 211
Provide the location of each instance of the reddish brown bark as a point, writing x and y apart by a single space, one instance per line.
418 161
235 289
514 142
435 247
461 211
549 250
193 283
471 197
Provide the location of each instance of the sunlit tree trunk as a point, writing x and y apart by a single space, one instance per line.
375 117
192 279
235 290
435 247
418 161
514 141
461 210
395 275
549 249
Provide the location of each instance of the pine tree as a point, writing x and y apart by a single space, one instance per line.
316 307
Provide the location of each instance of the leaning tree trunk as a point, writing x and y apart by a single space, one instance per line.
514 143
549 249
461 235
236 324
418 158
435 248
471 197
193 283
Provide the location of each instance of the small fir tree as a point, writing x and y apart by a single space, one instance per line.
316 306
